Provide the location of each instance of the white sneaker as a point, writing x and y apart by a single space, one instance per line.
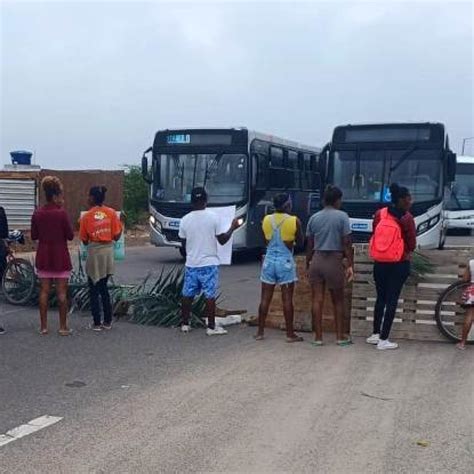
386 345
185 328
374 339
217 331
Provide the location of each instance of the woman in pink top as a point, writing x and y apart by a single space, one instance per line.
51 227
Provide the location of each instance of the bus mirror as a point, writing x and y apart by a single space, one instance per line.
451 166
145 173
144 167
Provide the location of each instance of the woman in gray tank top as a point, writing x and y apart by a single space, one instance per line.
329 262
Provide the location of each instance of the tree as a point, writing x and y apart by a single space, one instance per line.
135 196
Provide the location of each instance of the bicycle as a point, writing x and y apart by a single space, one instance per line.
449 313
19 278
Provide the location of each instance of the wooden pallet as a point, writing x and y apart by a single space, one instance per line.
302 305
415 313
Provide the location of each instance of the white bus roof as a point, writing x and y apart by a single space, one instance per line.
254 135
280 141
464 159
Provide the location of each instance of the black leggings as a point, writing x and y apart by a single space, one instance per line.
3 257
98 292
389 280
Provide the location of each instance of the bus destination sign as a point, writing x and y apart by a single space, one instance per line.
179 139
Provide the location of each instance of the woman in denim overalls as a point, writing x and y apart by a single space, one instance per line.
281 231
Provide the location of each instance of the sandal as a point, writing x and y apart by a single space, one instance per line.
259 337
460 347
317 343
43 332
295 338
65 332
344 343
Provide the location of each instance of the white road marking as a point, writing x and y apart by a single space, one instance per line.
28 428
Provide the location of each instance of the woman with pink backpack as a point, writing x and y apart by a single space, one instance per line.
392 243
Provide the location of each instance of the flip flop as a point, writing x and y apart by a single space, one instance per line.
317 343
290 340
259 337
43 332
460 347
344 343
68 332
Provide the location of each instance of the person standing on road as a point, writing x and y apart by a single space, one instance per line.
329 262
282 231
392 243
100 227
200 234
3 248
51 227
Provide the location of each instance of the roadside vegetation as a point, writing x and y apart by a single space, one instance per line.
135 197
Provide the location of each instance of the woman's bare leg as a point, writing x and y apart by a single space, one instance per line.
61 292
318 292
43 303
466 326
337 297
288 311
265 300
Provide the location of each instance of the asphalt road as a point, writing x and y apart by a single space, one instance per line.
141 399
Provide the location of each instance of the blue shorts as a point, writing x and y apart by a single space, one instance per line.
278 271
199 280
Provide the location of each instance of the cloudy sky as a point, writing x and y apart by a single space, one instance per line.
87 84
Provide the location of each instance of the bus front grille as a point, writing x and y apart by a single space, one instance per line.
171 235
175 211
360 237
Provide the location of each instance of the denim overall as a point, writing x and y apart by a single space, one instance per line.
278 267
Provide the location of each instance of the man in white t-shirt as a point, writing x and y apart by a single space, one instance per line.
200 234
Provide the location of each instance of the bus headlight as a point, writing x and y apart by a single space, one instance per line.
155 223
433 221
428 224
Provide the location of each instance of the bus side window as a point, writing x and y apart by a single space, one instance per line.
277 175
276 157
293 172
261 162
315 176
306 172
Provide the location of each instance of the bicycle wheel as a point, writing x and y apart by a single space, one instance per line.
449 313
18 281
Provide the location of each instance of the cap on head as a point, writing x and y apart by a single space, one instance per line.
198 195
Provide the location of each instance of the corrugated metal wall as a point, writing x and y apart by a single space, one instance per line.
18 198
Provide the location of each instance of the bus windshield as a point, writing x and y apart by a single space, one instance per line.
462 193
223 175
367 174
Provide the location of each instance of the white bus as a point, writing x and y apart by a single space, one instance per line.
363 160
460 208
237 167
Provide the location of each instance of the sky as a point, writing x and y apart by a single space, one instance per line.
87 84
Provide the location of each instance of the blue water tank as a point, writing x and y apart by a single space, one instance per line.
21 157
